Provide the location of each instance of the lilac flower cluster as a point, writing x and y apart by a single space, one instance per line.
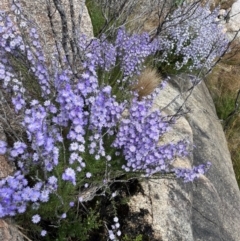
15 194
36 57
188 175
130 50
18 149
41 135
9 41
69 175
3 147
104 114
138 136
12 44
133 50
193 33
104 52
87 111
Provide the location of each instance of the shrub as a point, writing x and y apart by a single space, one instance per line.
191 38
81 131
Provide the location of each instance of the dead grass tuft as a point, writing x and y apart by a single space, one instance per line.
225 77
224 4
148 81
152 22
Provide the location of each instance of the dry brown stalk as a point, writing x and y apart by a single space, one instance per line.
147 82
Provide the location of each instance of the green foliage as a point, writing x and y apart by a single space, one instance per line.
224 106
179 2
96 15
87 218
169 67
128 238
28 79
111 78
79 229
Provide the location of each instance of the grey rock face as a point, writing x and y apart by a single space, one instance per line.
216 198
209 208
233 24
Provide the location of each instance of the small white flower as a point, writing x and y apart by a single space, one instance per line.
132 148
112 236
88 174
97 157
81 148
119 233
114 194
36 218
73 146
43 233
108 157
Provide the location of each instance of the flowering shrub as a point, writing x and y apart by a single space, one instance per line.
79 133
191 38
